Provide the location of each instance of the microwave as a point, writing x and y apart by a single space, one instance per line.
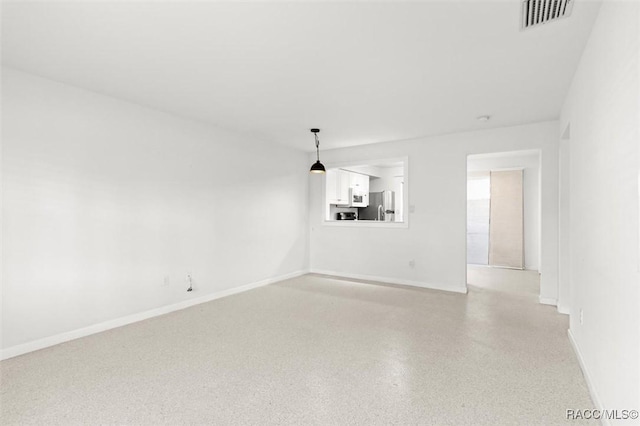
358 198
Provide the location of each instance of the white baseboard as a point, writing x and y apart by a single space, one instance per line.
548 301
587 377
389 280
129 319
562 309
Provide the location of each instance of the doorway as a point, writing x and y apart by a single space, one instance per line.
503 221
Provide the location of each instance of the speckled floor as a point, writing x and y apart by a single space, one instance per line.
514 281
312 350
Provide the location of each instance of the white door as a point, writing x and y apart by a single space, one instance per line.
506 229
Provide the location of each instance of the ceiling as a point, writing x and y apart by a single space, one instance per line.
362 72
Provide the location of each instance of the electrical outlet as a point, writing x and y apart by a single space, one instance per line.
581 317
412 208
165 281
412 263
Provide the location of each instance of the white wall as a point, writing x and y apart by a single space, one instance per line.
564 242
436 236
386 179
603 111
530 163
107 205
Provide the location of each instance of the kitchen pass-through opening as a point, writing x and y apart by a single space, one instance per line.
371 192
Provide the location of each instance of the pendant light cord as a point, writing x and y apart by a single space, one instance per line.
317 146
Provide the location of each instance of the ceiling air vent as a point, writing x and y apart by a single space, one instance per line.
538 12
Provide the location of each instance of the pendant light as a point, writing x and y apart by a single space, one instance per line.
317 167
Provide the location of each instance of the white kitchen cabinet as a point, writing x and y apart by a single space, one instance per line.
342 185
337 184
359 182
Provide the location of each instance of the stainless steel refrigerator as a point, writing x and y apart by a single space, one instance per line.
381 207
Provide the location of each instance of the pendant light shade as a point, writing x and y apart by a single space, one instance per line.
317 167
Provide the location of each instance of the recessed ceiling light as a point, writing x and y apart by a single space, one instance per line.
483 118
